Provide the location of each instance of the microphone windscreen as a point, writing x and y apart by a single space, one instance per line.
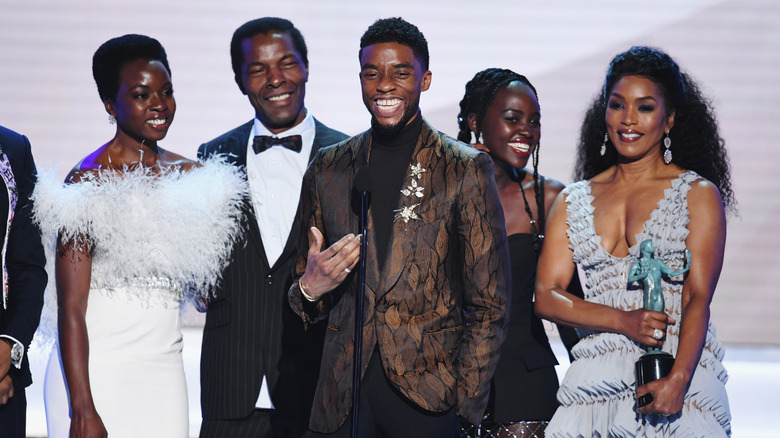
363 180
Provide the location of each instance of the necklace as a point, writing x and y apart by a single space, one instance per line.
537 234
140 156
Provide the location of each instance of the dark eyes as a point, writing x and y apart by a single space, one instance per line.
373 75
532 122
643 108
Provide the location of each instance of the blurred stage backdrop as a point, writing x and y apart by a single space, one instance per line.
731 46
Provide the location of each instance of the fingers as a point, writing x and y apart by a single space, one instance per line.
316 241
327 269
6 390
654 326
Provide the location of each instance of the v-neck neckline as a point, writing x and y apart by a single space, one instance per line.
638 238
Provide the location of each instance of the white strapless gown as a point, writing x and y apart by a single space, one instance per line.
135 369
156 238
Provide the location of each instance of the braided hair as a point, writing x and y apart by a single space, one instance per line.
480 92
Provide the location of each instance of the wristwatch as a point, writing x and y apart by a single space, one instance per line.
16 350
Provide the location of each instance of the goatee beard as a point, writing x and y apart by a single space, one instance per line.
393 130
385 131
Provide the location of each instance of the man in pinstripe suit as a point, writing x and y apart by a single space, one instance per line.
259 367
23 279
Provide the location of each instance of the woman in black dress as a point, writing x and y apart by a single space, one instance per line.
499 114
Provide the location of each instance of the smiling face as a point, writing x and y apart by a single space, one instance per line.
637 118
144 105
392 80
274 76
512 125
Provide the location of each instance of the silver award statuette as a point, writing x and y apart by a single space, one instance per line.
654 364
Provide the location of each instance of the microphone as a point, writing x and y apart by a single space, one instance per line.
364 180
362 185
361 193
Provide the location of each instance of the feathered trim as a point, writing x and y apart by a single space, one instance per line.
149 231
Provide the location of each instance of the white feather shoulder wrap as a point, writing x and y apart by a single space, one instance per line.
171 230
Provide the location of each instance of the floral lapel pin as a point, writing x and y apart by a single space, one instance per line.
413 191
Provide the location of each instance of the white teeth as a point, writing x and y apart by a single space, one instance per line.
520 147
156 122
630 135
388 102
279 98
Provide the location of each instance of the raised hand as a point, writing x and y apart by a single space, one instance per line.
325 270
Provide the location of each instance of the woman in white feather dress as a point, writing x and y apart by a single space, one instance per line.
137 227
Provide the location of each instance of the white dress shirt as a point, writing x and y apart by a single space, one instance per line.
275 177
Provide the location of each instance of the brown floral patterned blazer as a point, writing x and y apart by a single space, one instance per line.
439 309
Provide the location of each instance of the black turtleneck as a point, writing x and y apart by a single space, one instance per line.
389 162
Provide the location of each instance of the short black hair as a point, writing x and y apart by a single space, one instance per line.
113 55
264 25
397 30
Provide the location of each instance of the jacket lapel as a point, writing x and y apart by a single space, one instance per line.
291 246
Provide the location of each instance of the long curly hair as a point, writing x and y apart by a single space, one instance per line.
696 141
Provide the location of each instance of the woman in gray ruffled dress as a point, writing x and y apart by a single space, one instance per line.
653 166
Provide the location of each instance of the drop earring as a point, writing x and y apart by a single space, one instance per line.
668 151
111 119
604 145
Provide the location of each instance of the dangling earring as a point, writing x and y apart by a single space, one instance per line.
668 151
111 119
604 145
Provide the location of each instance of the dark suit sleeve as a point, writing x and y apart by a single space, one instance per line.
310 214
24 258
486 278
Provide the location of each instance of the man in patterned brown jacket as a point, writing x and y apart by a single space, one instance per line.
436 299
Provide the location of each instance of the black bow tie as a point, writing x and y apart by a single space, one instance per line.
263 142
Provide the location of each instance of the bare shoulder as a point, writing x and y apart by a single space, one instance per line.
552 188
172 159
704 194
89 166
80 173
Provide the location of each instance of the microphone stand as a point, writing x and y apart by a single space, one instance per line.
358 352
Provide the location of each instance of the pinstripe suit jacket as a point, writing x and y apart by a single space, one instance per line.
438 310
250 330
24 257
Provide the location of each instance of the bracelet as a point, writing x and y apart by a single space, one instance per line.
308 297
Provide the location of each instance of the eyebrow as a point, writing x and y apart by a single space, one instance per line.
641 98
282 59
148 87
401 65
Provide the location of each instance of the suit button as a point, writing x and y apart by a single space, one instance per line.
269 279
